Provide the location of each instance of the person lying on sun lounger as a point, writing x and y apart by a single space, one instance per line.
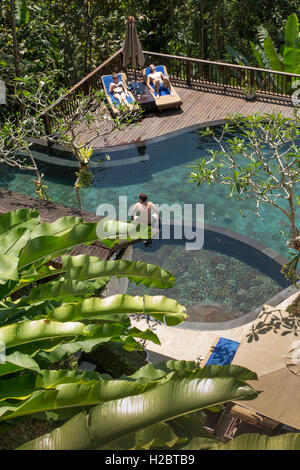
158 79
118 89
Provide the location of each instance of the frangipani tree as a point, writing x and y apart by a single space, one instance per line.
37 99
260 161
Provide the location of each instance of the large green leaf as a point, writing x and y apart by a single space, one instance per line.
26 332
291 54
69 262
289 441
8 268
15 312
31 337
58 227
23 386
16 362
14 241
55 290
237 56
159 435
46 247
136 271
69 390
27 218
172 434
275 61
18 387
164 400
159 307
258 54
151 372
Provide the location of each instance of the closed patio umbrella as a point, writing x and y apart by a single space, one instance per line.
132 50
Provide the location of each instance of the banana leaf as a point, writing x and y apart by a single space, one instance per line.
43 248
136 271
291 54
289 441
275 61
160 307
27 218
116 419
16 362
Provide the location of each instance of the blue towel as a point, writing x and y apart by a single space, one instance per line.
223 352
107 81
163 91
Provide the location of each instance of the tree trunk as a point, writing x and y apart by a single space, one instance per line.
78 198
201 31
14 38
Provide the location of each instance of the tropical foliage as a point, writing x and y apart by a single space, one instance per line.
69 40
52 304
51 310
48 309
258 158
265 53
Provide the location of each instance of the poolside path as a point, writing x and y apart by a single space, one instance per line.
202 107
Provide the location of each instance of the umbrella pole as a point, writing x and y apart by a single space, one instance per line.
134 74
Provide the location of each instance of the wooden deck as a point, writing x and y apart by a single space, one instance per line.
202 107
10 200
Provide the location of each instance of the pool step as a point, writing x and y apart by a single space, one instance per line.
99 164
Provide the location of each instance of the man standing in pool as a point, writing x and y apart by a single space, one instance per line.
146 213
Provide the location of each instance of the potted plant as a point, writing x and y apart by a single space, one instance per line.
249 90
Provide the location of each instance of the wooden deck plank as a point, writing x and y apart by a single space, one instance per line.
200 107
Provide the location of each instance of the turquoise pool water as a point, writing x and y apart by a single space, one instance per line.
164 177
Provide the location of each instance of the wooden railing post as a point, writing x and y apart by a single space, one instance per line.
188 73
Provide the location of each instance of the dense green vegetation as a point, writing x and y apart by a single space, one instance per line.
51 310
69 39
265 53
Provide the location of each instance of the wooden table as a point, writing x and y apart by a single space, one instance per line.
146 100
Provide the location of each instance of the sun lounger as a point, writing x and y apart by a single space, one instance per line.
222 352
113 102
166 99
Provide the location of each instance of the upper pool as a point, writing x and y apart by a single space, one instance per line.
164 177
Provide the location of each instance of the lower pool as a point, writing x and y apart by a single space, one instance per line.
224 280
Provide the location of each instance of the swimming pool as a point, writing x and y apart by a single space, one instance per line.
228 278
163 175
